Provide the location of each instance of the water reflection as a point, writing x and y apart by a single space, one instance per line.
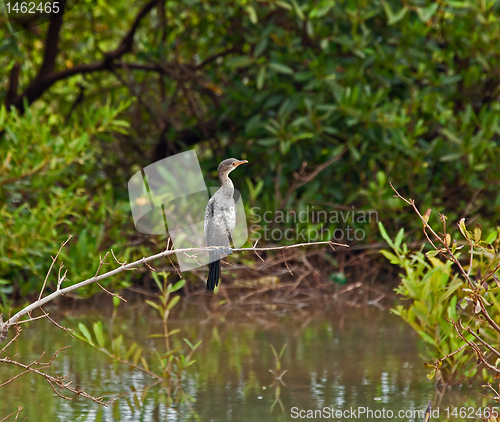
341 358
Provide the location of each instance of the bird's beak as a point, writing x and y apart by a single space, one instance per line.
241 162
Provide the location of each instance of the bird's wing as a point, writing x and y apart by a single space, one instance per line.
209 214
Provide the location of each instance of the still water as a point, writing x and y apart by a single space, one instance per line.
335 356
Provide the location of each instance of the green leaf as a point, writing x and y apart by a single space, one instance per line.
260 47
157 336
432 254
131 350
425 13
116 344
281 68
298 10
282 350
173 302
477 233
458 4
452 137
399 238
274 352
85 332
267 142
121 123
303 135
252 14
240 61
191 346
137 355
483 62
144 363
156 306
491 237
98 333
321 9
177 286
393 259
384 234
392 17
463 228
284 5
157 281
427 338
261 78
451 157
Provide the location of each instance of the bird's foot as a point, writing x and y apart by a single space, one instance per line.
228 251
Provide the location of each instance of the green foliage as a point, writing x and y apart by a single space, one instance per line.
433 292
50 188
440 292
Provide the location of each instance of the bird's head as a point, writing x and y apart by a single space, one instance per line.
228 165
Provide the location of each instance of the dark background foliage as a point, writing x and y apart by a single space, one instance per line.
404 92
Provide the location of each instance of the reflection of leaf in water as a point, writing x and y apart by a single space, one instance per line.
266 281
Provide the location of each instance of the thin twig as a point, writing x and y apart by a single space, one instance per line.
175 268
449 355
60 382
51 265
111 293
474 347
19 329
15 411
254 246
286 263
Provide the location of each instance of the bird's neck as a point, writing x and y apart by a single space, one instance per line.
225 181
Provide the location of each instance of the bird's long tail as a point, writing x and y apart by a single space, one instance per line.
213 271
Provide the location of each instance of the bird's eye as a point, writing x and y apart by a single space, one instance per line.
234 164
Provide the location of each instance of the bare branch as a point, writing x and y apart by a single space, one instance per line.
60 382
47 76
13 84
458 328
19 329
126 43
143 261
51 42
